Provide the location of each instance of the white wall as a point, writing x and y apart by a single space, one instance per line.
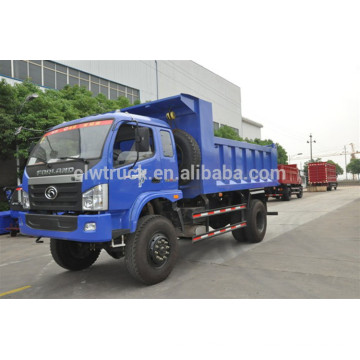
251 131
189 77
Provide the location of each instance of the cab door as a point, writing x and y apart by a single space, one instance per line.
129 181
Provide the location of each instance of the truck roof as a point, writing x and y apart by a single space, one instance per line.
117 116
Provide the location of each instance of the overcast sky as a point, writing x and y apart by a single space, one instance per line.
298 69
297 63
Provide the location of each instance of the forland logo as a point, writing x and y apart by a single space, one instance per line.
59 171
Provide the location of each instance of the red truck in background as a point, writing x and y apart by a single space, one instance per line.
322 174
289 183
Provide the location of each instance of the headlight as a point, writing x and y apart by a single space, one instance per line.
96 198
25 201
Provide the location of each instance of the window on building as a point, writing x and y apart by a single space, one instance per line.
94 88
61 80
73 80
84 83
5 67
49 78
20 69
104 90
121 91
84 76
74 72
113 94
235 129
35 73
61 68
49 64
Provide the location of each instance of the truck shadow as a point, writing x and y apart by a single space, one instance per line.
109 279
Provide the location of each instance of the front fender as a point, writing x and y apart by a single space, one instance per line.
144 198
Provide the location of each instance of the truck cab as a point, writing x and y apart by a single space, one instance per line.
75 166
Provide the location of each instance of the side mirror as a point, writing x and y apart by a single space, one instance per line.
142 139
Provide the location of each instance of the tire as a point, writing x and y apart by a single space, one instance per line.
300 194
238 234
286 194
154 233
72 255
13 233
188 153
255 230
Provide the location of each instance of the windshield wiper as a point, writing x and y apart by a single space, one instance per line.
74 158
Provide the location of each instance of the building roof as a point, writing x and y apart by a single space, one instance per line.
251 122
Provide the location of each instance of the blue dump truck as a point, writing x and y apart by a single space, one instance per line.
134 182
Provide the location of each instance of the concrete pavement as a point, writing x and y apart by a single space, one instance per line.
311 250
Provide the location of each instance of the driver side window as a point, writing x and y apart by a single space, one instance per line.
124 151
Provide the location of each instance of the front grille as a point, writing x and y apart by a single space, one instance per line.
68 199
51 222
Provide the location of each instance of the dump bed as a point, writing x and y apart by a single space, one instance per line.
321 173
194 116
289 174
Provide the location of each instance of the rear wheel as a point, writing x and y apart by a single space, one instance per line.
72 255
300 193
151 251
286 194
255 230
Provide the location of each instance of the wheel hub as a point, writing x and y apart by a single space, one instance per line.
159 249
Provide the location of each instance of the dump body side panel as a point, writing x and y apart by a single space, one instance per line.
289 174
194 116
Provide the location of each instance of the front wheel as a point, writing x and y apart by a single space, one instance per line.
151 251
72 255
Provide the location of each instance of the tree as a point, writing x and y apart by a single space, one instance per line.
353 167
282 154
339 169
52 107
228 133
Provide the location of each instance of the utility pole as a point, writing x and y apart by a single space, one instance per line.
310 142
345 163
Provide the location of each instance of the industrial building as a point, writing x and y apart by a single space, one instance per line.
141 80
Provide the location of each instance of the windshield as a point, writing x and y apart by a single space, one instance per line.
82 141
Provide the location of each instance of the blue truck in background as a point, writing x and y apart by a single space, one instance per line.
128 182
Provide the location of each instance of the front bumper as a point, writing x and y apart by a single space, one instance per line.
65 227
